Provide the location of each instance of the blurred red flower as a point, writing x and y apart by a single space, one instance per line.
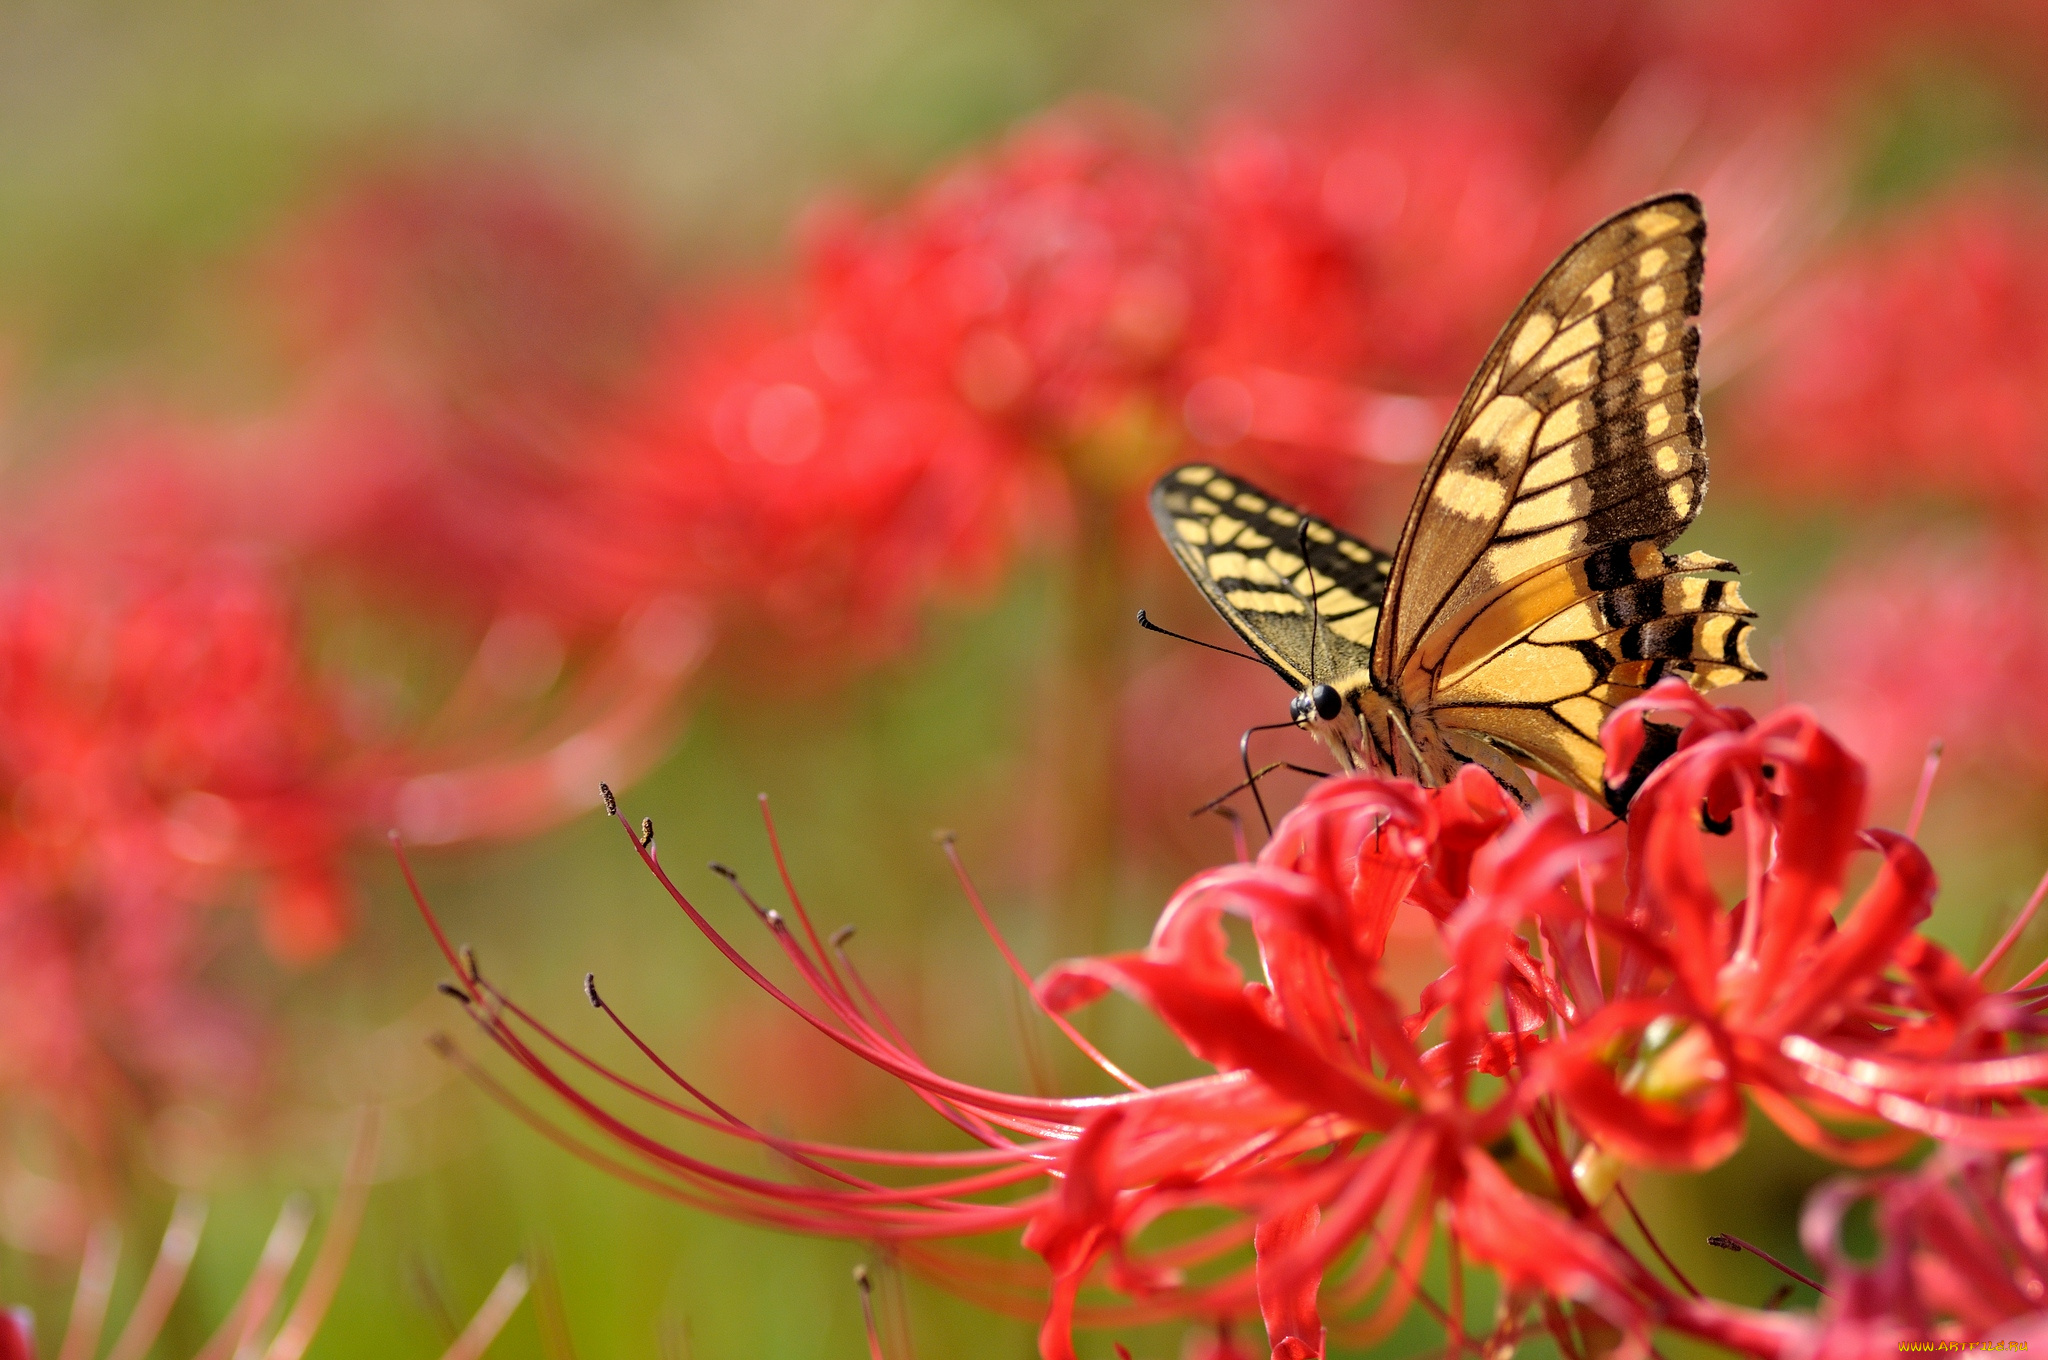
1930 642
163 749
819 503
1051 322
1582 58
462 326
1916 364
1962 1255
1380 240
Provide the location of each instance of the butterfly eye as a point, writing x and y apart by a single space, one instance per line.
1328 703
1297 709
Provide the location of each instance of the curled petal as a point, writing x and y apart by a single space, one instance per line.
1470 811
1917 1076
1287 1299
1697 1125
1363 840
1839 973
1819 806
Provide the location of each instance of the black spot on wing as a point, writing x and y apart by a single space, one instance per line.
1633 604
1731 645
1647 513
1670 637
1610 568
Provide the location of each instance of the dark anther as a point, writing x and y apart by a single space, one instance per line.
469 964
1729 1242
841 936
590 990
731 876
1717 826
646 833
450 989
611 804
944 837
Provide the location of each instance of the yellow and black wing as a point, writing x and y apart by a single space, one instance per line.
1304 594
1530 593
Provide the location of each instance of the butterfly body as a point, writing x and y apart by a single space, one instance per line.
1530 592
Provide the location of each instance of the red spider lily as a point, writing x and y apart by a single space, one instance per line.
531 716
461 330
1864 1020
1336 1139
464 327
1921 343
164 748
1078 286
1060 274
1329 1131
1962 1256
1370 242
1934 642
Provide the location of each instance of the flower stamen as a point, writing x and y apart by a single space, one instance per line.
1729 1242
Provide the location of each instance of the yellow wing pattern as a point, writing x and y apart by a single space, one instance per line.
1244 549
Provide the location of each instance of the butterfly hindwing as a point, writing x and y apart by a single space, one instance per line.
1245 551
1542 690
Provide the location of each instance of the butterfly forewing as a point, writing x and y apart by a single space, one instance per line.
1245 551
1531 593
1580 429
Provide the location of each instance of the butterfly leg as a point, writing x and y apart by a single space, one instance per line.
1424 774
1251 781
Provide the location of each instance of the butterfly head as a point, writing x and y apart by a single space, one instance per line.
1324 712
1319 703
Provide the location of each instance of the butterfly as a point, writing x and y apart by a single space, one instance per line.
1530 593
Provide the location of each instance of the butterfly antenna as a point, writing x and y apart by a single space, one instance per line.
1152 627
1315 612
